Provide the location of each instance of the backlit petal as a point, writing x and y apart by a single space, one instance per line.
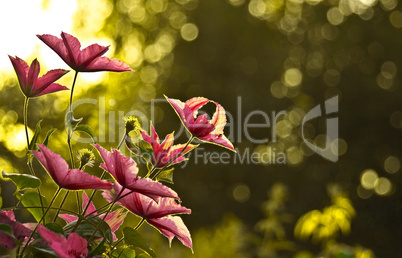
21 69
172 226
88 54
57 45
105 64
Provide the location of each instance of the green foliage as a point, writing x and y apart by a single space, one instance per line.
23 181
32 143
166 176
32 199
88 226
131 237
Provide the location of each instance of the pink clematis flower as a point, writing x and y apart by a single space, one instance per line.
206 130
113 219
165 152
125 170
156 213
73 246
30 84
89 59
19 230
72 179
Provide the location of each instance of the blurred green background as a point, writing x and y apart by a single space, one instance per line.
248 55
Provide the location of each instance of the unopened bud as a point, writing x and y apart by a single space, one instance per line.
86 157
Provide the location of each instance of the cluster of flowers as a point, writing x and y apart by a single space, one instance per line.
145 196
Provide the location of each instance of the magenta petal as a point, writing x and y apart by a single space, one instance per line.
172 226
122 168
50 77
68 218
106 64
73 47
196 103
220 140
33 74
57 45
178 106
88 54
152 189
72 247
91 207
219 119
21 69
19 230
72 179
77 180
54 87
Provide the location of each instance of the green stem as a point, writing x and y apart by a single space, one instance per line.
107 212
122 141
26 120
78 202
43 217
72 90
26 101
86 206
173 159
61 206
70 132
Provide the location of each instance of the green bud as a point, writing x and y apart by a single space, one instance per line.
86 157
132 124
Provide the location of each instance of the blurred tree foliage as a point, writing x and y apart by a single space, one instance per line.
248 55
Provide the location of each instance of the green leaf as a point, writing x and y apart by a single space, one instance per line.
32 144
49 133
97 249
123 252
55 227
32 199
143 255
86 129
23 181
70 122
7 229
88 226
166 176
131 237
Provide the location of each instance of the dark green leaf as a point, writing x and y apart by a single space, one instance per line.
86 129
49 133
88 226
97 249
32 144
123 252
166 176
131 237
23 181
7 229
32 199
55 227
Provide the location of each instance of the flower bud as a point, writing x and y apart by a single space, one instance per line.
132 124
86 157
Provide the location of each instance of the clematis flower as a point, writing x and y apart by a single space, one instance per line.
30 84
113 219
72 179
125 171
158 214
89 59
19 230
73 246
206 130
165 152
